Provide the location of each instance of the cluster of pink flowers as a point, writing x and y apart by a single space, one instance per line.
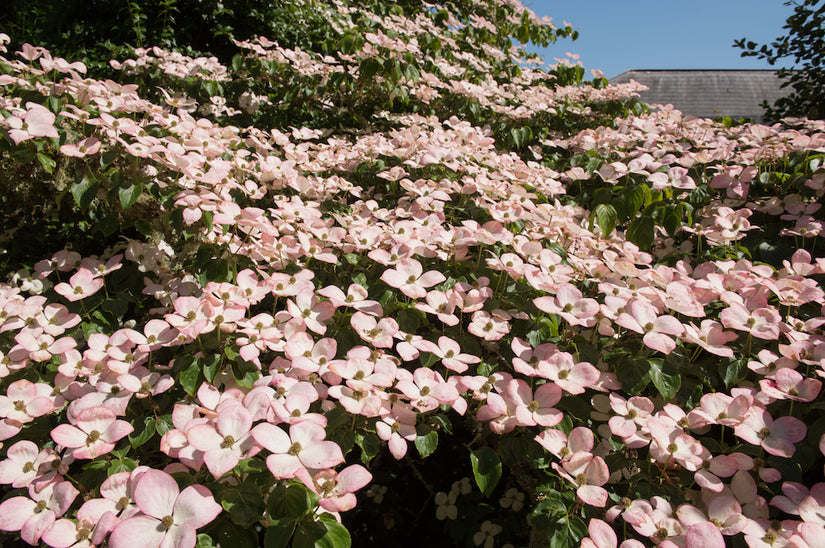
432 329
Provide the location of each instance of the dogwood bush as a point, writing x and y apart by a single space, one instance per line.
407 284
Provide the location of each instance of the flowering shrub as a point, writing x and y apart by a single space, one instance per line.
405 284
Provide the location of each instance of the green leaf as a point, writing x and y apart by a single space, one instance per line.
188 378
290 501
409 320
427 442
243 502
211 365
46 161
567 533
486 469
666 382
129 195
443 422
137 439
369 444
278 535
237 62
641 232
369 67
733 372
226 533
633 374
634 198
335 534
84 191
606 217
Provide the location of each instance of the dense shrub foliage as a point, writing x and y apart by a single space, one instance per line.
400 285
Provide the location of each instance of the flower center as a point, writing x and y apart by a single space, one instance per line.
294 449
167 522
227 442
93 436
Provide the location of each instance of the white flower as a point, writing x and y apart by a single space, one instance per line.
486 534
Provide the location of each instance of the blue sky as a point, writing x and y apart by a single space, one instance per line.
616 35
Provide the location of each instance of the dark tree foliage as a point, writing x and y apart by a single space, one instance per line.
95 31
804 44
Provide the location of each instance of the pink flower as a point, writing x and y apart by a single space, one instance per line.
571 377
490 327
311 310
603 536
442 305
42 346
760 322
427 390
356 298
581 439
171 517
397 429
22 464
33 516
86 147
304 447
408 276
450 353
96 431
378 332
25 400
588 473
570 305
641 317
226 441
37 122
790 384
82 284
777 437
336 488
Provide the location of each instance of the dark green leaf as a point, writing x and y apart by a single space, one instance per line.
243 502
641 232
189 378
486 469
290 501
84 191
140 436
605 215
567 533
633 374
211 365
279 534
426 442
409 320
666 380
128 195
46 161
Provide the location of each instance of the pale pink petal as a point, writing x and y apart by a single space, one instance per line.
196 506
179 536
69 436
324 454
271 437
14 512
234 421
703 535
141 530
155 493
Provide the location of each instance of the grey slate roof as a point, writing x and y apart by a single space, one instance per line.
709 93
